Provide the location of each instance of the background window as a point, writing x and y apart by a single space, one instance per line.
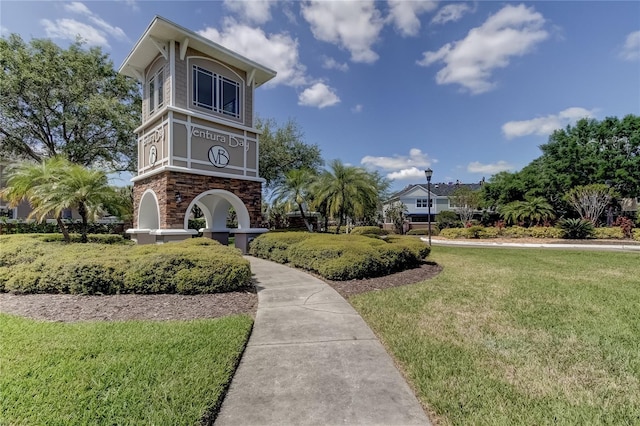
423 202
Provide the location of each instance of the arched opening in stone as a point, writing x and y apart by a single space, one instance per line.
149 211
222 213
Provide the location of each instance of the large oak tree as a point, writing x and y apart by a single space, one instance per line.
68 102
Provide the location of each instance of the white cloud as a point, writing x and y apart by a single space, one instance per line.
251 11
490 169
352 25
81 9
404 14
4 31
470 62
401 166
356 109
276 51
70 29
412 173
450 13
332 64
545 125
631 49
319 95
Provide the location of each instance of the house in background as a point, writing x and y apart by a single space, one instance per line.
416 199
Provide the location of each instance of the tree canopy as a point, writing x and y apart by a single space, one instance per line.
68 102
591 152
282 149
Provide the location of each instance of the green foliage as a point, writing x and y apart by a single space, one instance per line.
34 227
590 200
57 184
475 231
370 230
453 233
189 267
343 192
626 226
636 234
275 245
395 214
117 373
577 229
532 211
545 232
608 233
69 102
590 152
434 231
341 257
282 149
467 202
294 191
448 219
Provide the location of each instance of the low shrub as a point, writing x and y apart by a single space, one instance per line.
91 238
577 229
448 219
435 231
545 232
453 233
341 257
636 234
187 267
368 230
274 245
516 232
608 233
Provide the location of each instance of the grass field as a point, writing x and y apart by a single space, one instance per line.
520 336
99 373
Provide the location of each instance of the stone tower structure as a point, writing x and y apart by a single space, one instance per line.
197 144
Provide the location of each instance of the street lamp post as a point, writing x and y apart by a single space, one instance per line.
428 173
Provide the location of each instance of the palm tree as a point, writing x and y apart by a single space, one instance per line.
295 189
347 191
57 184
534 210
25 178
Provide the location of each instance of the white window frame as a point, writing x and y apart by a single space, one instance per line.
155 90
218 84
423 203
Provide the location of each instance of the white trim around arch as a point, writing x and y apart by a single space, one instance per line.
244 221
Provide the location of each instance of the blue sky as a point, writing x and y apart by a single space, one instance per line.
466 88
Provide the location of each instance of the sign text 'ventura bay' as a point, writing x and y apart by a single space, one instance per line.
231 141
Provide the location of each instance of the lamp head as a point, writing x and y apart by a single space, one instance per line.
428 173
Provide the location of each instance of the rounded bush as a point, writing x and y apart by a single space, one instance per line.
368 230
188 267
343 257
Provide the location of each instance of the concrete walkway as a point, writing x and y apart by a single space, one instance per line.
312 360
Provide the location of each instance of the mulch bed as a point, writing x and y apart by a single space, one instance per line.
72 308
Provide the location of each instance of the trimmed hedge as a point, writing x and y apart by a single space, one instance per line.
368 230
341 257
636 234
609 233
29 264
435 231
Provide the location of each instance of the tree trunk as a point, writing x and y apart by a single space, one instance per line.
83 214
63 229
304 218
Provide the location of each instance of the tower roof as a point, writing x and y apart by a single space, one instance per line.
160 31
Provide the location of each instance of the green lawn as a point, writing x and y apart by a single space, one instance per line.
163 373
520 336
